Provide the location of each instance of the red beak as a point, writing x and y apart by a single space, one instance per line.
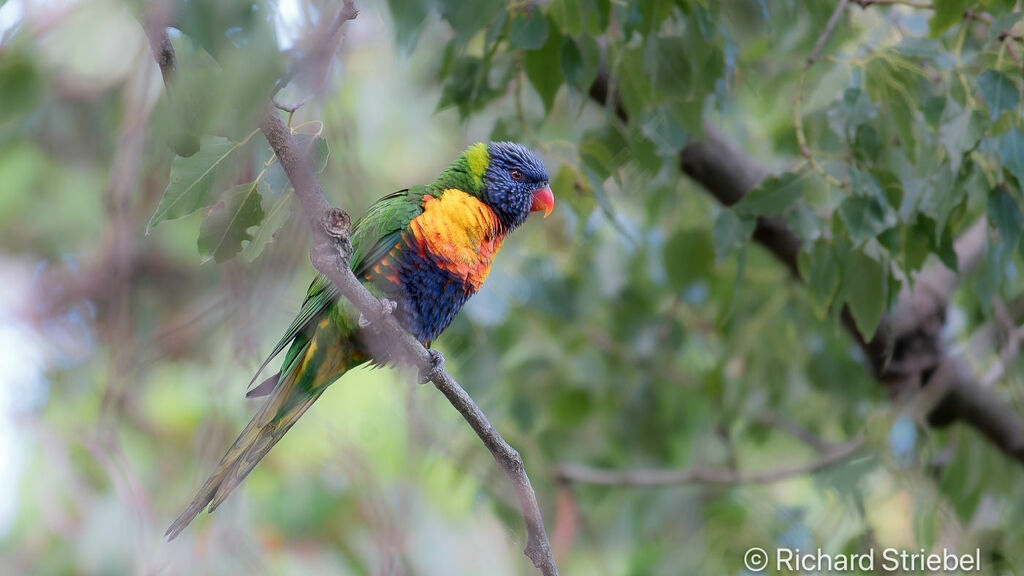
544 200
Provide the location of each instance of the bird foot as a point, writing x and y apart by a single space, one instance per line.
436 365
387 307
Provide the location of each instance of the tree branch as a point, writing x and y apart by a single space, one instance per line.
829 27
907 351
315 64
329 253
704 476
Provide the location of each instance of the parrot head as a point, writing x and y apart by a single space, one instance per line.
509 178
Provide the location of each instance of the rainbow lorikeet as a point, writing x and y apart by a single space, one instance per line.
427 249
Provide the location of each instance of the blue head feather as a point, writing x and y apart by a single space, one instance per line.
509 197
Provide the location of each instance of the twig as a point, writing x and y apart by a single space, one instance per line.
793 429
329 253
798 114
325 43
704 476
1014 334
827 32
911 3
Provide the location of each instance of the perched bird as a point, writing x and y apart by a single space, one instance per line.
427 249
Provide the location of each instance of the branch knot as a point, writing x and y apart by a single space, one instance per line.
336 223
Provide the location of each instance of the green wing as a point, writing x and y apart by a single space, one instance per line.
373 235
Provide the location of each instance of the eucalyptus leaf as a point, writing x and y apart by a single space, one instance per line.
946 14
999 92
866 217
822 276
688 256
194 178
227 224
1011 153
541 69
1005 215
527 29
864 291
772 196
1004 23
731 232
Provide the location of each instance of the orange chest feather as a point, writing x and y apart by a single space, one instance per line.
459 233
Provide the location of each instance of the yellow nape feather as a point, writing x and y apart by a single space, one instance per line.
476 156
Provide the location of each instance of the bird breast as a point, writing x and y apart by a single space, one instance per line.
459 234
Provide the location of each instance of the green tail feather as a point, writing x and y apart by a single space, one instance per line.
318 363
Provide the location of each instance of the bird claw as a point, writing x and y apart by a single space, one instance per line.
387 307
436 365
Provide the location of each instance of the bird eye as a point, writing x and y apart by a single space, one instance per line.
516 175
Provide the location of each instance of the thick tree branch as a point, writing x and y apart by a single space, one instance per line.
705 476
906 353
329 254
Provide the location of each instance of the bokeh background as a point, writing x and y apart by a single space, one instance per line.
637 328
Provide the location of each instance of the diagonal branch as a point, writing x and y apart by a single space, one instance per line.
906 354
329 257
329 253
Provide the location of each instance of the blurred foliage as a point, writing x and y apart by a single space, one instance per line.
639 326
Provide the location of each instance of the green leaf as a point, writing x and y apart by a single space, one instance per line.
919 47
731 232
527 29
822 274
276 189
21 85
226 226
864 291
867 145
467 22
668 64
891 80
313 144
1011 153
662 128
1004 214
688 256
932 109
596 14
571 60
570 407
541 70
804 222
917 242
277 211
854 109
865 217
633 82
1003 24
993 271
193 179
408 17
947 13
960 132
460 85
999 92
567 15
571 186
604 150
772 196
